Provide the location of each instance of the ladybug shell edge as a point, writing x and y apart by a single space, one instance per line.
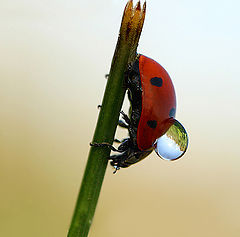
158 102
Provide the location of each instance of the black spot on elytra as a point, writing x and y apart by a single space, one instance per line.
152 123
172 112
156 81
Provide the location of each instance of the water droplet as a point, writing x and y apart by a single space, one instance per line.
173 144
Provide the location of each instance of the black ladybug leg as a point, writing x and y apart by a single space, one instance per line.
116 169
125 117
129 96
125 141
124 145
122 124
115 163
117 141
104 144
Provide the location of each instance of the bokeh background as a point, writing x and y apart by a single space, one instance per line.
54 55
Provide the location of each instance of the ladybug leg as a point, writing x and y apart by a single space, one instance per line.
122 141
126 122
127 158
117 161
116 169
129 96
122 124
124 145
125 118
117 141
107 145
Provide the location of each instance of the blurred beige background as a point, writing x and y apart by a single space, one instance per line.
54 55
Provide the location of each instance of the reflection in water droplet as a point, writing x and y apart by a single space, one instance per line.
173 144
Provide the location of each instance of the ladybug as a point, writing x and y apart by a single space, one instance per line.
151 122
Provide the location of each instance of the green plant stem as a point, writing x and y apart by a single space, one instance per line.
97 160
107 122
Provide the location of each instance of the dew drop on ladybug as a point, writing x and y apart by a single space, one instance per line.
173 144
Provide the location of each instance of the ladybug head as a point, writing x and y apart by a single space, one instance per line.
173 144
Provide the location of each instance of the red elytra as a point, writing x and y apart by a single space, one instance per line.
158 102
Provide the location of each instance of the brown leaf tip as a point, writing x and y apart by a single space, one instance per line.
138 6
129 6
132 21
144 7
